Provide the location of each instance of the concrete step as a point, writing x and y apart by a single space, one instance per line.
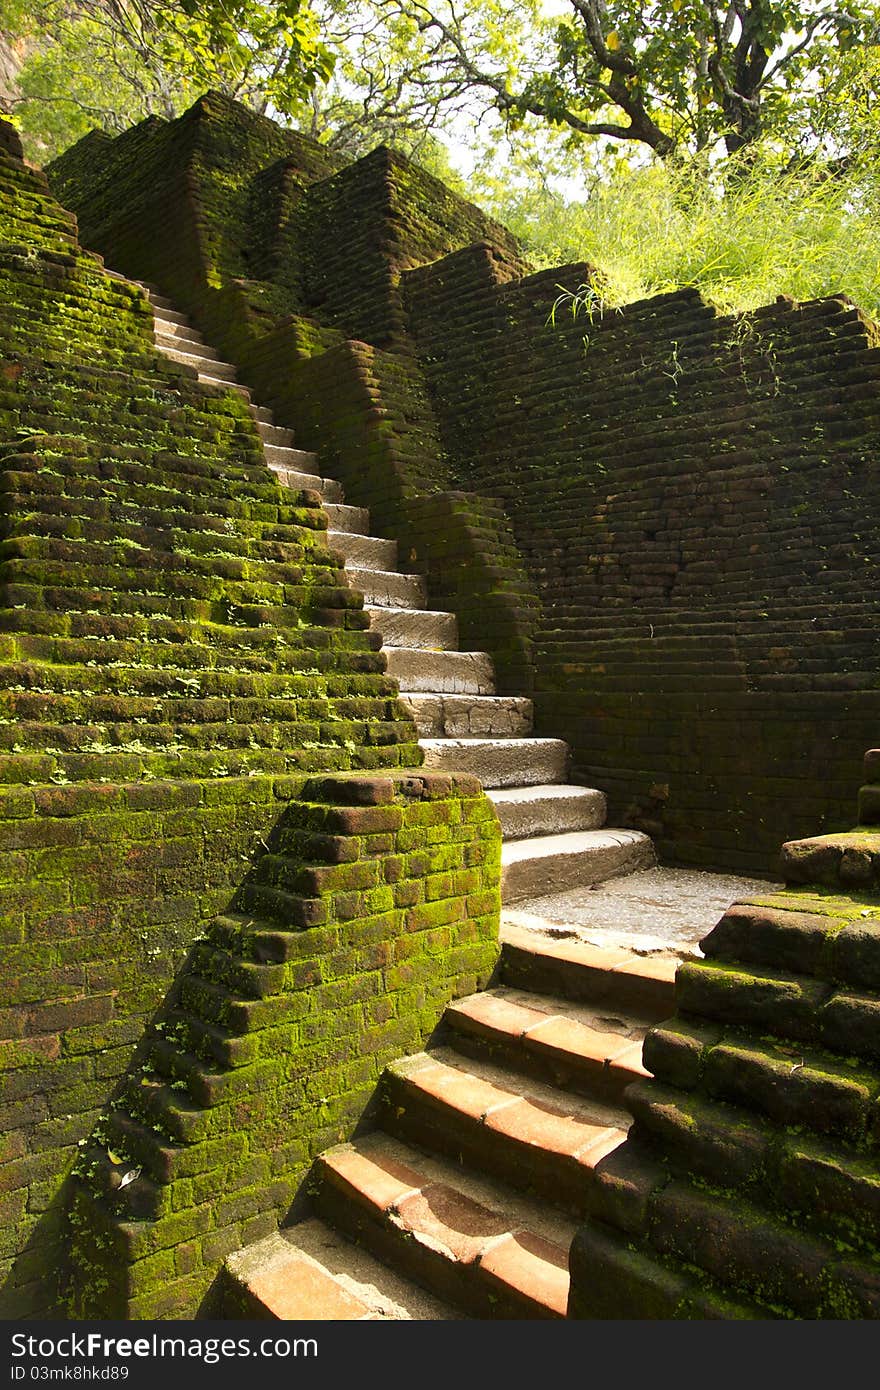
552 863
475 1243
388 588
364 552
415 627
539 1139
441 673
559 1042
345 518
292 478
468 716
309 1272
607 978
500 762
548 810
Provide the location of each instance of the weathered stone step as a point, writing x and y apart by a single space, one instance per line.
601 976
547 810
168 316
475 1243
562 1043
274 435
302 482
468 716
364 552
344 518
283 456
388 588
545 1141
262 414
413 627
309 1272
213 368
174 328
225 383
500 762
181 342
442 673
551 863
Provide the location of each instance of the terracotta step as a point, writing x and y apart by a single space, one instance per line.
472 1242
535 1137
310 1272
609 977
592 1052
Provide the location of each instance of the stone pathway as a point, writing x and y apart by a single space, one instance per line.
651 910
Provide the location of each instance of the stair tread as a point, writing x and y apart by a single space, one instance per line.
457 1213
545 791
571 842
515 1105
311 1272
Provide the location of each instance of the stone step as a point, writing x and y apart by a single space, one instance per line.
158 300
441 673
562 1043
309 1272
539 1139
468 716
209 379
175 327
552 863
601 976
364 552
275 435
184 341
344 518
388 588
472 1242
499 762
414 627
299 482
283 456
216 370
262 414
171 317
548 810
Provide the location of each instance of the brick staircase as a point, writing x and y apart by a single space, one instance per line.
554 831
489 1148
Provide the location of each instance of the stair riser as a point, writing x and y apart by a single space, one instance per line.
446 673
462 1285
558 816
364 552
411 628
556 1178
653 1000
501 716
388 590
580 1076
344 518
503 764
533 878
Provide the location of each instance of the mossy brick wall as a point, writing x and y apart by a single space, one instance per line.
210 207
178 651
375 903
748 1185
692 496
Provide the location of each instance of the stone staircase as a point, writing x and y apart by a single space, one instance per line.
554 831
489 1148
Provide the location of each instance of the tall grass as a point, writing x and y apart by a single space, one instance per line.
761 233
